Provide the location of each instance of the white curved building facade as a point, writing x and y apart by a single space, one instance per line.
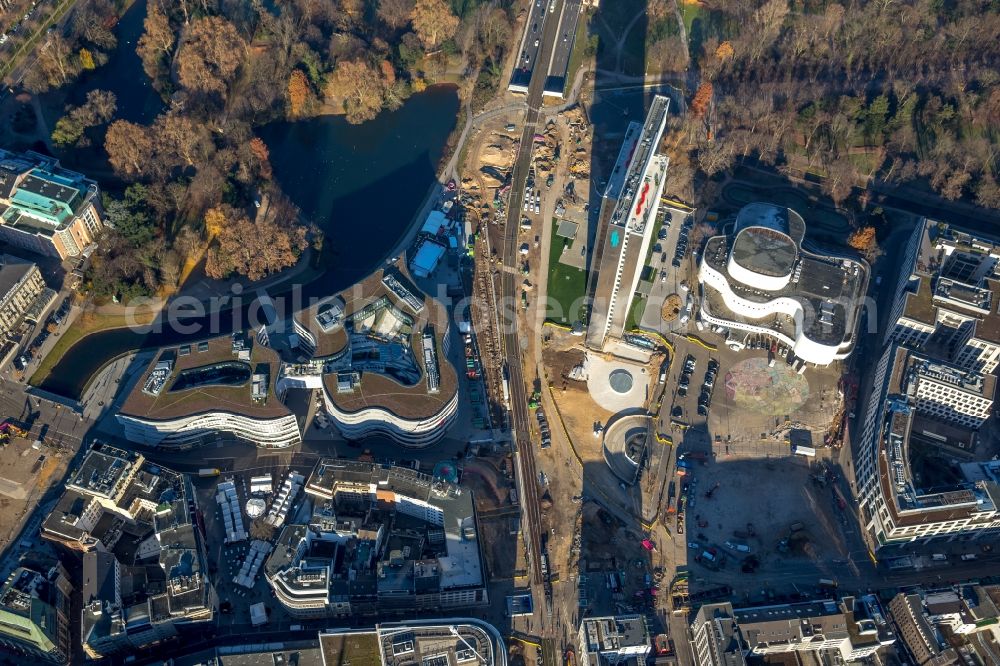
373 421
194 430
760 280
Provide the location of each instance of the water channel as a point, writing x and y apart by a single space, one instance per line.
362 184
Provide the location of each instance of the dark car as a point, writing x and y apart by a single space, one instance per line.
677 411
682 390
676 263
702 410
657 248
663 258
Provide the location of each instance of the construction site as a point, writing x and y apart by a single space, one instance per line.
28 469
556 188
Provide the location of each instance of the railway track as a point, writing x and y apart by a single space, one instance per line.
520 415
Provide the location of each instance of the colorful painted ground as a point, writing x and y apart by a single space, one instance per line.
753 386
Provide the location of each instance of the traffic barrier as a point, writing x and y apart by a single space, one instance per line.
698 341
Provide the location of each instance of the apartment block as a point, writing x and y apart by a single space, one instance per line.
145 574
607 641
34 614
45 208
842 631
949 626
922 405
381 540
946 303
625 226
21 285
716 637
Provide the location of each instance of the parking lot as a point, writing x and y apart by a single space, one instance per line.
764 527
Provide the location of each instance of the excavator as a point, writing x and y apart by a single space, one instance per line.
8 429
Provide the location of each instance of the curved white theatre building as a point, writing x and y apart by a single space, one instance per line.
379 352
202 393
759 278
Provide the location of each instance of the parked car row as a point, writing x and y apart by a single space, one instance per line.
14 28
690 363
707 387
682 241
543 427
532 200
55 318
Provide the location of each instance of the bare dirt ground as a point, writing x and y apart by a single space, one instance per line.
489 478
23 481
577 408
787 559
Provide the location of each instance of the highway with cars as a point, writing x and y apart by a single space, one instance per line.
558 63
531 46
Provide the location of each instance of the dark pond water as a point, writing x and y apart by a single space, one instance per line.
361 184
123 74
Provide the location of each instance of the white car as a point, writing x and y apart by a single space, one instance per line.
538 209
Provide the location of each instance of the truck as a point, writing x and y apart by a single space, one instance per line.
208 472
738 547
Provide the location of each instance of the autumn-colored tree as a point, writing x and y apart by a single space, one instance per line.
702 98
360 87
57 63
261 155
863 240
210 56
86 59
395 13
433 22
388 72
97 110
724 51
157 42
298 93
181 141
217 219
254 249
129 147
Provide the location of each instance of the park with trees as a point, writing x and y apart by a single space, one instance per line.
184 187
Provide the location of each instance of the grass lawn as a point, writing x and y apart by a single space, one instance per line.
635 313
567 285
689 12
579 46
87 323
634 51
